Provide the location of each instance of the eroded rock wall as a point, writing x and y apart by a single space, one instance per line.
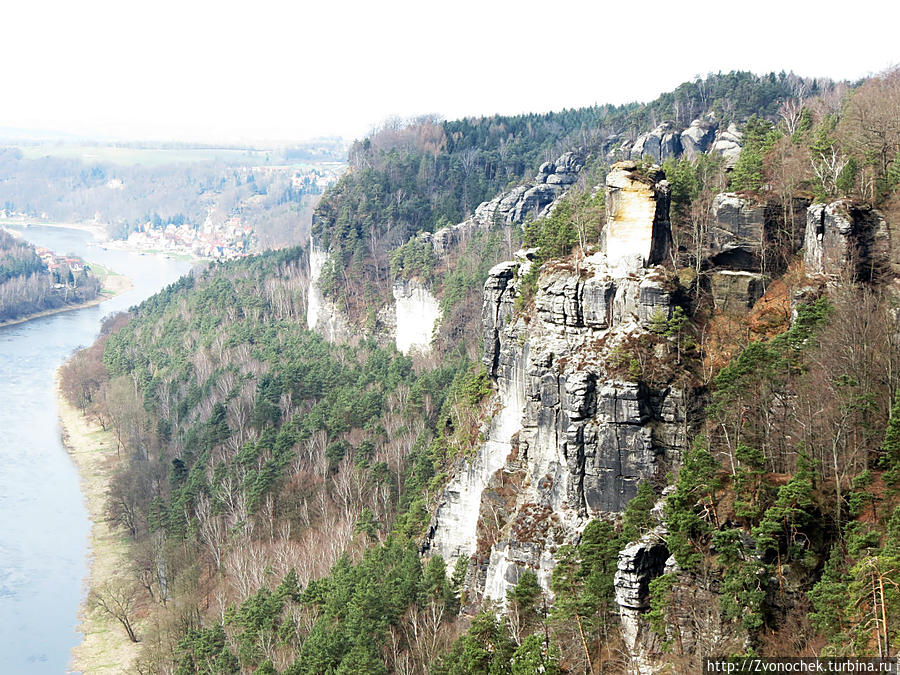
322 315
573 434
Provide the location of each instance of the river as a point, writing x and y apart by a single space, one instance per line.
44 525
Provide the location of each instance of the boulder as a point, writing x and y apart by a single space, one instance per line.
736 292
728 143
661 143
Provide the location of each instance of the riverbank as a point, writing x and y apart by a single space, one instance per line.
97 231
106 647
112 284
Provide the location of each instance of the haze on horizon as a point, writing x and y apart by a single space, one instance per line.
226 72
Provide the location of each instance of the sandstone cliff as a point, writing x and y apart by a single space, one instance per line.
573 432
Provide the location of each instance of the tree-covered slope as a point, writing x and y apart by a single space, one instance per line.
277 488
28 287
417 176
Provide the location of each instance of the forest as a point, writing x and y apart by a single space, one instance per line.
420 175
276 489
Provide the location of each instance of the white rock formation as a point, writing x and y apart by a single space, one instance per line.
728 144
456 518
317 258
637 214
416 313
322 315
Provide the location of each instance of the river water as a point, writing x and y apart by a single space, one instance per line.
44 525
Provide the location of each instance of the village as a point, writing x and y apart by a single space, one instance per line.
224 241
59 266
233 237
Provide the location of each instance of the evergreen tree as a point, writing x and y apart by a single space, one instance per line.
637 518
691 508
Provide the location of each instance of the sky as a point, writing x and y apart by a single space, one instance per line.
266 71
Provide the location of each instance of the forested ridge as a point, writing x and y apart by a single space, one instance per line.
419 175
277 488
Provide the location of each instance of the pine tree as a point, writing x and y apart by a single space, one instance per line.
890 447
637 518
691 510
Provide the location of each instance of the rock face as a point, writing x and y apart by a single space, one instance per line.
737 235
573 433
637 214
736 292
639 563
728 143
663 142
844 238
697 138
322 315
416 313
749 235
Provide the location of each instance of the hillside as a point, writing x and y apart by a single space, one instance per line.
605 391
28 286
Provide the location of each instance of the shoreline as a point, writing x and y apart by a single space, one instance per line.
101 236
104 648
98 231
109 283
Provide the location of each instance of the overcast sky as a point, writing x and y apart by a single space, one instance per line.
264 71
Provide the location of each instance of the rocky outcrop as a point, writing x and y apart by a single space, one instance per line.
573 433
637 214
735 292
846 238
728 144
416 313
564 171
532 199
322 315
585 437
639 563
497 309
749 235
697 138
663 142
694 627
603 298
669 140
737 234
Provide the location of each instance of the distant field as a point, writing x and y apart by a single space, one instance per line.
148 156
